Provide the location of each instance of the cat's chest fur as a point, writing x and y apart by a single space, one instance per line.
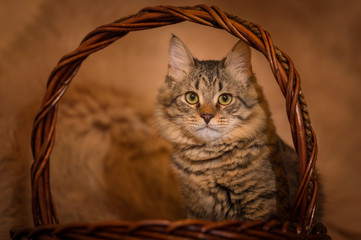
227 181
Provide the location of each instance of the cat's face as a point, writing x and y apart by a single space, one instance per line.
206 100
206 103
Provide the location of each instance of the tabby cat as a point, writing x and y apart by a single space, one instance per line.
230 162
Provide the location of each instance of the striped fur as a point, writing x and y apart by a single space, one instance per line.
235 166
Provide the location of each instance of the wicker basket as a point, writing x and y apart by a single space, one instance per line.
300 224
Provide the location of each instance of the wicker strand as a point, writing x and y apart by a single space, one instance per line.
162 229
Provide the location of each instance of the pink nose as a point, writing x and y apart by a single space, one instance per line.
207 117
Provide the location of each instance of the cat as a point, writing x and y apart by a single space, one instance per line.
229 161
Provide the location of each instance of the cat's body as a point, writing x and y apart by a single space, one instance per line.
230 162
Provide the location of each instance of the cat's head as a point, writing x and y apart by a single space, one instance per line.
209 101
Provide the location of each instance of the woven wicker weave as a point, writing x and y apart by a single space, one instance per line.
300 224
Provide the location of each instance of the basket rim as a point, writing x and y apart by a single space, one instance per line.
287 77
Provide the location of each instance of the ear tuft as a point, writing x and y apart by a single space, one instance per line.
180 59
238 61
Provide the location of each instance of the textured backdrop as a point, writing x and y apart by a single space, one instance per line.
322 38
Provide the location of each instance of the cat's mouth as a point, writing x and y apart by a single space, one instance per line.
208 133
207 127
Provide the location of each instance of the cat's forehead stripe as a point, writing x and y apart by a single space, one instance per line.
197 84
209 70
220 85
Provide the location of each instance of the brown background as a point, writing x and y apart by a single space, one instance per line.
322 38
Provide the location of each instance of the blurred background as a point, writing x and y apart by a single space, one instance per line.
321 37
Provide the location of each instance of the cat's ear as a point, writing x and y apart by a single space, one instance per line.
238 61
180 59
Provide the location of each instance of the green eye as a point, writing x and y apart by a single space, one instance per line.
225 99
191 97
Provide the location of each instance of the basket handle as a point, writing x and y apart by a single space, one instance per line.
287 77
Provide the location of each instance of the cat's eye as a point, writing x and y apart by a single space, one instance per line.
225 99
191 97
